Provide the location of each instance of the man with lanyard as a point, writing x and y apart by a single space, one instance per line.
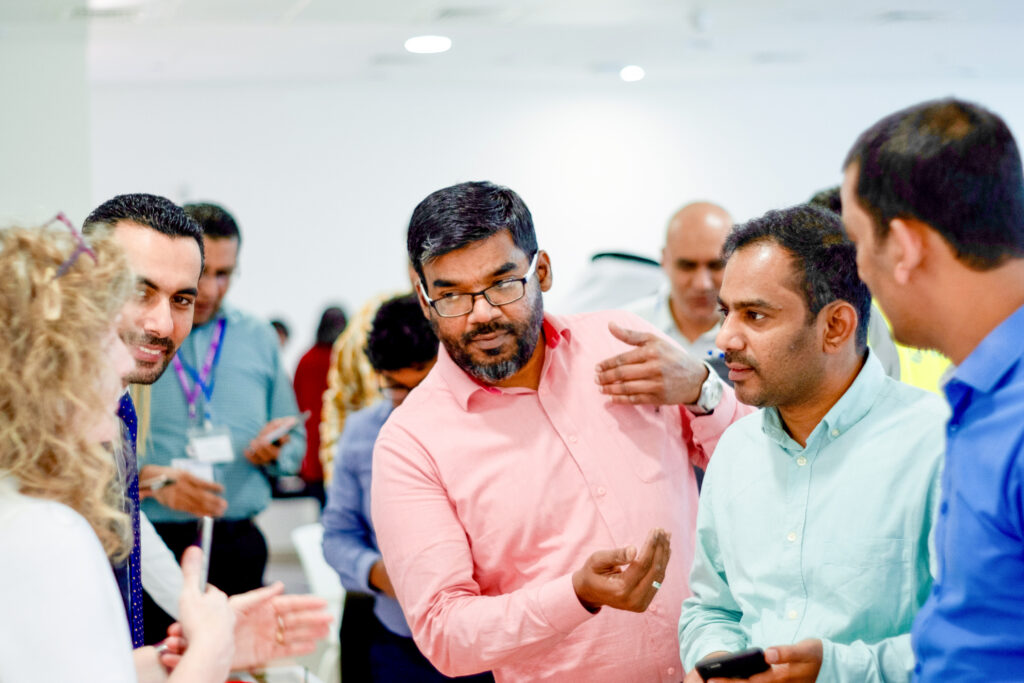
215 417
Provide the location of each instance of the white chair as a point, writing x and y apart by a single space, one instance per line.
323 582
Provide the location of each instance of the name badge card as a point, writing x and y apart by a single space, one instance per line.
210 445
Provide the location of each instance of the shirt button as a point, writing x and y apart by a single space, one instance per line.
791 536
835 432
944 508
671 670
572 438
792 614
654 609
801 461
601 490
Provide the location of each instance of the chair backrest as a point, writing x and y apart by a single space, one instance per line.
323 580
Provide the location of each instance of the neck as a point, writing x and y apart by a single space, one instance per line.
974 304
801 419
528 376
691 329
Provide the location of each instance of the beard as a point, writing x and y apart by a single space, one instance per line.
526 336
143 372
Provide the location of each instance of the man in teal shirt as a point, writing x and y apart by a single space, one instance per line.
814 522
214 415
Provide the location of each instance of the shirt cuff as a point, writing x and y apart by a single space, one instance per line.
364 563
562 609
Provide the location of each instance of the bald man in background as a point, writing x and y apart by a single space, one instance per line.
686 308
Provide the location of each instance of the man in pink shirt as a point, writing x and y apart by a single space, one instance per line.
526 500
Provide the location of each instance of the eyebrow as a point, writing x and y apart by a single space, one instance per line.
751 303
504 269
194 291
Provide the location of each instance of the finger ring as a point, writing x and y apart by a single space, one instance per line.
161 648
656 584
280 630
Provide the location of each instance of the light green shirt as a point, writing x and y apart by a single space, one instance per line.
829 541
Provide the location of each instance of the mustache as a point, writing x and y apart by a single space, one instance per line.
488 328
734 357
148 340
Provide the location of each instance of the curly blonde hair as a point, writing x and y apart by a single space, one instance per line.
52 371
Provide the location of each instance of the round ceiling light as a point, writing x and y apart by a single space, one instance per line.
428 45
632 73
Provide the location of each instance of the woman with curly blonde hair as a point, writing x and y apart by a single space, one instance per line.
61 519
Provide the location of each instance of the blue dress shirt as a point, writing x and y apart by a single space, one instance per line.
251 388
350 543
972 627
826 541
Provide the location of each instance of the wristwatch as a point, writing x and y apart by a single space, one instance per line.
710 394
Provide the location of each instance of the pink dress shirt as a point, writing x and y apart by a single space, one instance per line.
486 500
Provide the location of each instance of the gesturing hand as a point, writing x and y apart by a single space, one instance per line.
655 372
622 578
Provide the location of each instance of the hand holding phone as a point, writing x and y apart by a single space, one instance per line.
291 423
733 665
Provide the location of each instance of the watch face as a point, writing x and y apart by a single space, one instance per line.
710 392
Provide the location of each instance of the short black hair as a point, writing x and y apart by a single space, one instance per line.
953 165
457 216
332 323
281 327
400 336
153 211
829 198
825 260
215 221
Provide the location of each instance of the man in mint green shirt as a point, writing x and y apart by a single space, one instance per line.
814 521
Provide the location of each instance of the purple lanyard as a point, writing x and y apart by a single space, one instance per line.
203 379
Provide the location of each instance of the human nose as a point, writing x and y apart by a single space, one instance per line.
483 310
702 279
158 321
728 338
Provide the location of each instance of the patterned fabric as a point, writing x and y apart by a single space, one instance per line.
133 603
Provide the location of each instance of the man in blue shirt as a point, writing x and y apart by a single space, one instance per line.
813 527
933 195
211 416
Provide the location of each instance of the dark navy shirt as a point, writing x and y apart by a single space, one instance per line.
972 626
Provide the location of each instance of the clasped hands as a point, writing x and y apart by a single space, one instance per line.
624 578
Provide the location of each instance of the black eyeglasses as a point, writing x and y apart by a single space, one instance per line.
499 294
81 247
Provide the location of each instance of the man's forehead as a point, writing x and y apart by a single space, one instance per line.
173 260
490 256
764 271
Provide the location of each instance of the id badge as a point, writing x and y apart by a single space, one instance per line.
210 444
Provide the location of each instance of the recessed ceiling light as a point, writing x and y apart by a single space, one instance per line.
428 45
632 73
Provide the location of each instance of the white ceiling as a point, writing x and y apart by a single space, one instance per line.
540 41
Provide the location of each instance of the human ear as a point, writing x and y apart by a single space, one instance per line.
544 275
908 241
839 320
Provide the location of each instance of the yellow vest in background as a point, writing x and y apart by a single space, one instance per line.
920 368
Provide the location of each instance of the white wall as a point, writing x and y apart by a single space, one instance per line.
44 123
323 177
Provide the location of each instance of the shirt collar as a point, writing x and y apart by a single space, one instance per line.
463 386
851 407
989 362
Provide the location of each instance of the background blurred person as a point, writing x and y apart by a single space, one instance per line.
402 348
61 517
310 383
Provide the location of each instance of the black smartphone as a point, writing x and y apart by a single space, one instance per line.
735 665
